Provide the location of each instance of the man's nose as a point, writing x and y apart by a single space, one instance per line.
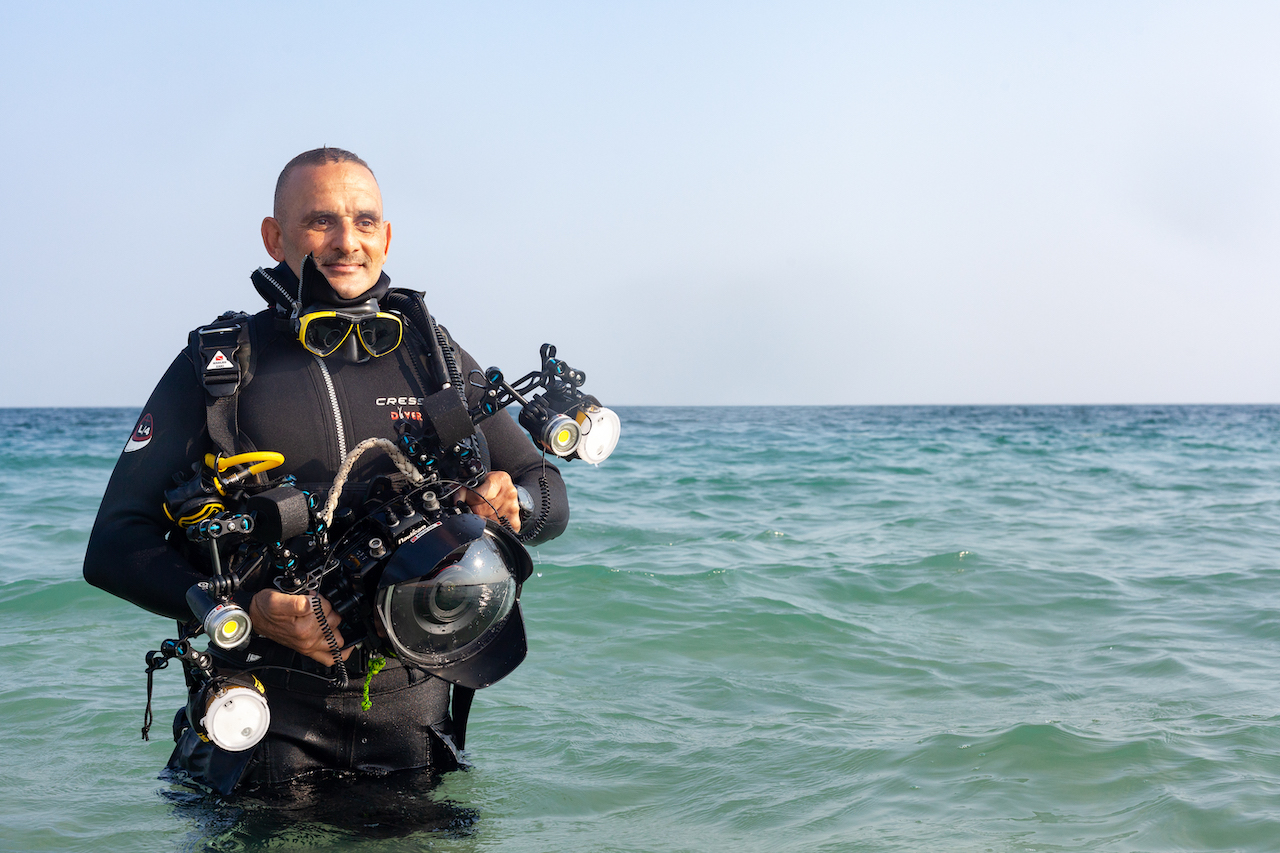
345 237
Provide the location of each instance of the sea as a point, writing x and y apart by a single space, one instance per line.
1050 628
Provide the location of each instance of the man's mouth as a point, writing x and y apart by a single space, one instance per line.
343 264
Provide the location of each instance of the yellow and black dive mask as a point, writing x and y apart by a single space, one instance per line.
324 331
324 327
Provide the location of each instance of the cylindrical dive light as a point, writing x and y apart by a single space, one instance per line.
557 433
560 435
235 715
226 623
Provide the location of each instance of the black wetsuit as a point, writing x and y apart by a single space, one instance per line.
313 411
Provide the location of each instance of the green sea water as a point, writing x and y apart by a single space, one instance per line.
767 629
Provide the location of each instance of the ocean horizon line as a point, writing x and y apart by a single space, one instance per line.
139 407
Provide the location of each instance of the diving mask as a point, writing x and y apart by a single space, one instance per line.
323 332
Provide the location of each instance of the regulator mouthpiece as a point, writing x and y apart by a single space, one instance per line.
226 623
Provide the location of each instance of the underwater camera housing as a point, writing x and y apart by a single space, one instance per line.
438 588
411 573
468 602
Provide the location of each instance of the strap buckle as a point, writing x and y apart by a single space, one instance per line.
217 346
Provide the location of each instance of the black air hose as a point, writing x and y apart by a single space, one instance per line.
411 306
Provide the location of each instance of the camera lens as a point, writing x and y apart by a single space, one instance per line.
446 601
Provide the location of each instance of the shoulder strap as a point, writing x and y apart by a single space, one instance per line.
222 354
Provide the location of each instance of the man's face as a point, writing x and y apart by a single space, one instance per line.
334 211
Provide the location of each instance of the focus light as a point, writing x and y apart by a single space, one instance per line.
226 623
560 435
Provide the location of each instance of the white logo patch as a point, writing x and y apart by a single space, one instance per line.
220 362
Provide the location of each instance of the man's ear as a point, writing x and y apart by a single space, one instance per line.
387 246
273 238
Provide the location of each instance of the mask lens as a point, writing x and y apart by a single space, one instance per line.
323 335
381 334
456 610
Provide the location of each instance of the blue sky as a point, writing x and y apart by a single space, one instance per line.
697 202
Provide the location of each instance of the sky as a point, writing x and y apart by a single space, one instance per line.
720 203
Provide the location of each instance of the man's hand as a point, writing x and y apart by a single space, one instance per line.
494 497
289 621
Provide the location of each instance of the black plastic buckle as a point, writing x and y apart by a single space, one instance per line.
218 346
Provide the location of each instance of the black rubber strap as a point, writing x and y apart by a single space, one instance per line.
220 415
448 417
461 709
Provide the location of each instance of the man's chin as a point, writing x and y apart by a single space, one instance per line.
348 285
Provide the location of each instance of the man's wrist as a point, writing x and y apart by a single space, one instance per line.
526 503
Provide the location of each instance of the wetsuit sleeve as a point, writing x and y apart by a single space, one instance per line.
128 553
511 450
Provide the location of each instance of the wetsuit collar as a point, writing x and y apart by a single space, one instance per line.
280 287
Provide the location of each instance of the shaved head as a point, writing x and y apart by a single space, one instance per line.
314 157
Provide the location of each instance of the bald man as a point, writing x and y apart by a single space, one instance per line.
312 408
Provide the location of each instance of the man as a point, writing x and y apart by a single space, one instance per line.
313 410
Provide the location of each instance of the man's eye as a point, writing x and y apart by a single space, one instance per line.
320 222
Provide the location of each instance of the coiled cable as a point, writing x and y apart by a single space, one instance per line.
527 533
335 648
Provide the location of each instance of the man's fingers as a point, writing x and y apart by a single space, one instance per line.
495 497
291 621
